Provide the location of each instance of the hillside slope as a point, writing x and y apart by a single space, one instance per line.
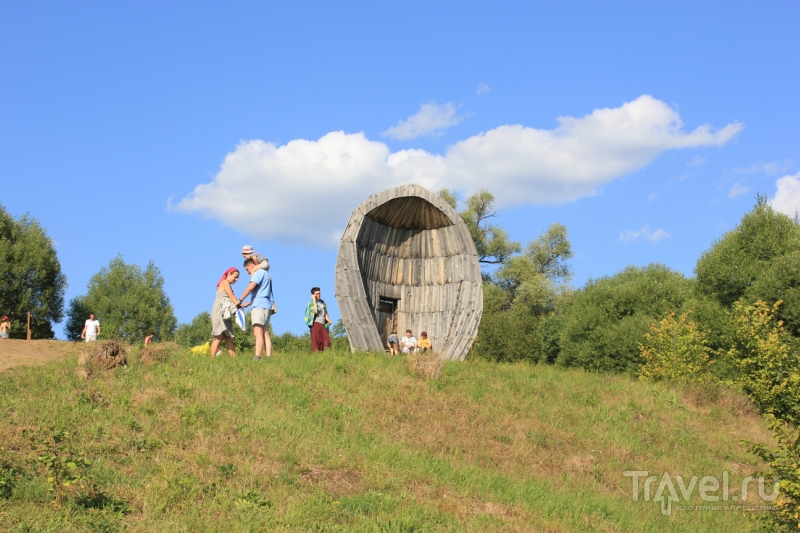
358 443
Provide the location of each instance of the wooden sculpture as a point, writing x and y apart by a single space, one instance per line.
407 261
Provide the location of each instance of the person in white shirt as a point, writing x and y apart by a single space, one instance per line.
409 343
91 329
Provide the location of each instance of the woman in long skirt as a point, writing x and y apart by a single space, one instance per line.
222 313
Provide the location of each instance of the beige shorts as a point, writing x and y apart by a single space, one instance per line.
90 338
260 317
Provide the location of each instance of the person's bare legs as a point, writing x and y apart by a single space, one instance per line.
267 342
231 346
258 332
217 341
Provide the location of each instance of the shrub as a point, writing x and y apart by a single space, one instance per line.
769 367
605 322
780 281
675 350
783 463
195 333
507 335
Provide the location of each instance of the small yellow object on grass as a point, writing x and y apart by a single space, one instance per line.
203 349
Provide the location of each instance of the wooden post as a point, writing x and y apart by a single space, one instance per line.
29 326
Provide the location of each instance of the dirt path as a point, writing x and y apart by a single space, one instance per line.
18 353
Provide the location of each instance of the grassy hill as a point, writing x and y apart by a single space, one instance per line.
341 442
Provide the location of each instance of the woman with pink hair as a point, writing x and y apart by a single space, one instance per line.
222 313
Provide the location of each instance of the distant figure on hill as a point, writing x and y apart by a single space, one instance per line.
424 343
91 329
260 289
225 306
5 328
317 320
409 343
260 261
148 339
394 344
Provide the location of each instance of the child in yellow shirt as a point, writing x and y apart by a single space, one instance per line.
424 342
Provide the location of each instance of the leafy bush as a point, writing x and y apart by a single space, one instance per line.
605 322
783 462
196 332
675 350
507 335
780 281
769 367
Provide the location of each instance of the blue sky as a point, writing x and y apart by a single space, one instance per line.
647 128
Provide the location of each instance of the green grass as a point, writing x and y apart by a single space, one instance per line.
357 442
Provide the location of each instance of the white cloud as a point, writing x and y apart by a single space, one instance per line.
644 233
787 198
652 196
738 190
431 119
696 161
304 191
483 89
775 167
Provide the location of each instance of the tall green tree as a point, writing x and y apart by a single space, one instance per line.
128 301
523 295
491 240
733 263
30 277
541 274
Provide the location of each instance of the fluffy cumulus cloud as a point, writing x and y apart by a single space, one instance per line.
787 199
304 191
431 119
645 234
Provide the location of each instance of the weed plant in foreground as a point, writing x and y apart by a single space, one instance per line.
355 442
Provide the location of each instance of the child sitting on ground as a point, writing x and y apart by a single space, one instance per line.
260 260
424 342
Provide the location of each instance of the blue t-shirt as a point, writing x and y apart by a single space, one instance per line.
262 296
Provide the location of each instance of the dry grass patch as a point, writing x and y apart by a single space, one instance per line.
101 355
157 353
336 481
425 364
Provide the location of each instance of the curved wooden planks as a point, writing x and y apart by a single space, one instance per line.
409 246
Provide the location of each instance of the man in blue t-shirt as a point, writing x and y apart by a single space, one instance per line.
260 291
